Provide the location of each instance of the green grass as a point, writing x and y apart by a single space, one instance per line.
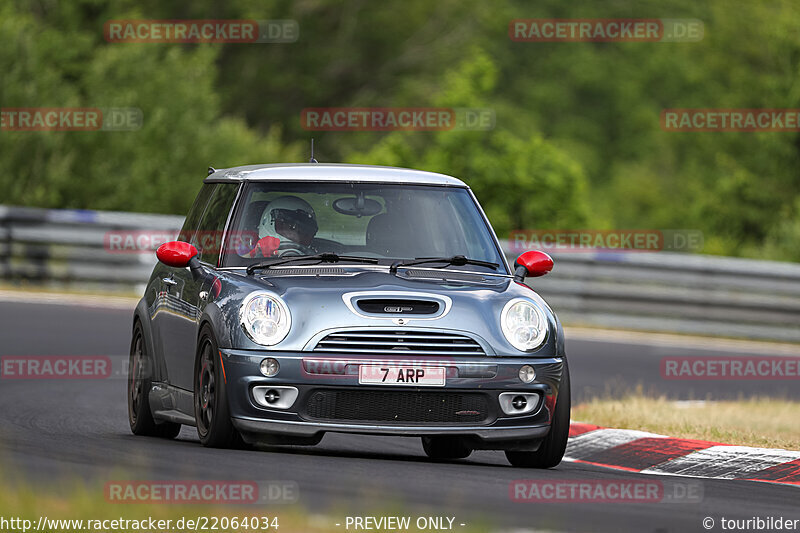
758 422
81 501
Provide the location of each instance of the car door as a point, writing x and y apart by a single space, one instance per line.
166 286
181 326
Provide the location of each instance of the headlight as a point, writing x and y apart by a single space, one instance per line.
265 318
524 324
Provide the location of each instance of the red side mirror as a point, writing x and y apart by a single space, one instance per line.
533 263
176 253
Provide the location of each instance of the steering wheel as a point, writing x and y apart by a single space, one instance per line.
290 248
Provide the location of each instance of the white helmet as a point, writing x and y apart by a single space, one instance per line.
288 212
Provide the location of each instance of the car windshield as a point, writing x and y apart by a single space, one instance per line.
388 222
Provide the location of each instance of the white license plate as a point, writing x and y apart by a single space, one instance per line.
416 376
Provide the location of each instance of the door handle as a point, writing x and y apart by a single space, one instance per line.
169 281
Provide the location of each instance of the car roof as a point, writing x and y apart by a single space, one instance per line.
332 172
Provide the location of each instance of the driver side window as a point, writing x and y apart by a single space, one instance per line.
193 218
208 237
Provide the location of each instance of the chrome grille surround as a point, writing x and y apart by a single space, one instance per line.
381 341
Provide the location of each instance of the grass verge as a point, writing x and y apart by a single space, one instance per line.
758 422
82 507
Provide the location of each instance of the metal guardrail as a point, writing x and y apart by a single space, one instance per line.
660 291
684 293
70 247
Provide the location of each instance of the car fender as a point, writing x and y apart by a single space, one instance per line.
214 317
142 314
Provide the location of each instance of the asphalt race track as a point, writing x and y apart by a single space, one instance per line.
57 430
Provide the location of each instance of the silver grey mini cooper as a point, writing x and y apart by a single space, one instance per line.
312 298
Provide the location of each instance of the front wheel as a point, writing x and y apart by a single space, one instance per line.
551 450
214 426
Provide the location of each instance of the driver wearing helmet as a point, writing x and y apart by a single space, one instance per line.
288 223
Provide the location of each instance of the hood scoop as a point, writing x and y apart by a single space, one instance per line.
398 306
392 306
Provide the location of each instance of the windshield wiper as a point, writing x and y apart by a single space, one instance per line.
456 260
322 258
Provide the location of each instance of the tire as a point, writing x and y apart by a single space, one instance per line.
139 371
211 413
445 448
551 450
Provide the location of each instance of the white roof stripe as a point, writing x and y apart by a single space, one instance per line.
335 172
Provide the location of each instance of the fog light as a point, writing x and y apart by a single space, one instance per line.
270 367
519 402
276 397
526 374
272 396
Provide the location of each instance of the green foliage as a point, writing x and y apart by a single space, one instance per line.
523 182
157 168
577 142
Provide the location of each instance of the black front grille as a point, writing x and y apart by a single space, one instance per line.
399 407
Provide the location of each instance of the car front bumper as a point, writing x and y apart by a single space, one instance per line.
474 382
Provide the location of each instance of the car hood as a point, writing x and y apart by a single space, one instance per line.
322 300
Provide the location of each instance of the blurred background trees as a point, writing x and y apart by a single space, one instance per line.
577 141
